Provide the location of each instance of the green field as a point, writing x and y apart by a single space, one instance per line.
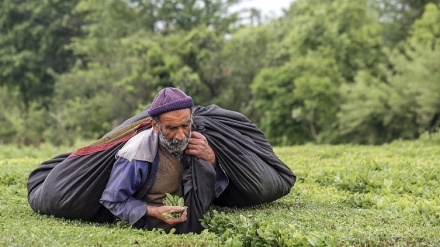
345 196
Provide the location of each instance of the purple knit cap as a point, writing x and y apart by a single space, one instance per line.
169 99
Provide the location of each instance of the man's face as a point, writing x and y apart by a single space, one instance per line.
174 130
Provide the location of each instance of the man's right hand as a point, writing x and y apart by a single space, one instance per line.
158 212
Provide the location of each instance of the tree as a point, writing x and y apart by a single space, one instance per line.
200 51
366 116
398 16
426 30
417 69
32 46
245 54
322 55
417 75
133 49
273 89
113 87
406 102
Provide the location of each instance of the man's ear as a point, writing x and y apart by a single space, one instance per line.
155 127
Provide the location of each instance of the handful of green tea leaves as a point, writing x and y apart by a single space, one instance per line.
171 200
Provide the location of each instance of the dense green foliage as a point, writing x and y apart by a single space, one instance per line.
346 195
32 44
343 71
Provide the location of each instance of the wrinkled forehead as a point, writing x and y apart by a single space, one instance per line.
176 118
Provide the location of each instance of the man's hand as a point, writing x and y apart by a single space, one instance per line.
199 147
157 212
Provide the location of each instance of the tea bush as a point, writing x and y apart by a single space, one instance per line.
345 195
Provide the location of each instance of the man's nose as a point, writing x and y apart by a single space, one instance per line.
180 135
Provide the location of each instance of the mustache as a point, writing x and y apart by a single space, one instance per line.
175 141
173 144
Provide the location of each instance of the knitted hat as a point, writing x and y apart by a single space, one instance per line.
169 99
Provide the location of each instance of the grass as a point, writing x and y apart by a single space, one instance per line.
346 195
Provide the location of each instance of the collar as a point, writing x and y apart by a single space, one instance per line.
143 146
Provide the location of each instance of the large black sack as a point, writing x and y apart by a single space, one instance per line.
256 175
70 185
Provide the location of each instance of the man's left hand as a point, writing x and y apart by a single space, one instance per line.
199 147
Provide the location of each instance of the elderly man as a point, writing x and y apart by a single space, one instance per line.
159 150
207 155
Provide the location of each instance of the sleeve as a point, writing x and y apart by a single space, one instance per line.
126 178
221 180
